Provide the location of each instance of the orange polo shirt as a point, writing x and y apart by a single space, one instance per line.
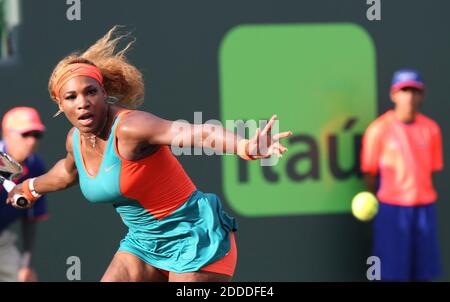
405 156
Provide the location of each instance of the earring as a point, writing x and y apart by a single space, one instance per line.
112 99
57 113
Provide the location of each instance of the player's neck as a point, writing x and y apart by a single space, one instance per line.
103 131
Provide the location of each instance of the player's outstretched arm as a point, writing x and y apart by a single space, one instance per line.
145 127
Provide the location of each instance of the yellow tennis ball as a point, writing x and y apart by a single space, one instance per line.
364 206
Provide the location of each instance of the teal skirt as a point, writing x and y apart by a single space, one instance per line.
194 235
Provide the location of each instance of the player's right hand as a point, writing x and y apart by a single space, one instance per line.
16 190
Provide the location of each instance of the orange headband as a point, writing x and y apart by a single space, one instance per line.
75 70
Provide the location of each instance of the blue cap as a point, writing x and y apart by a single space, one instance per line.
407 78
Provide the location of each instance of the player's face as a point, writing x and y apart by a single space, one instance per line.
407 101
82 99
22 145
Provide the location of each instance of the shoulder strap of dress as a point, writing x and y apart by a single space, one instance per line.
123 112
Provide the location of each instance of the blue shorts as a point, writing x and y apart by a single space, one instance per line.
406 241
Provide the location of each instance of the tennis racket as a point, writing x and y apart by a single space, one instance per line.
9 168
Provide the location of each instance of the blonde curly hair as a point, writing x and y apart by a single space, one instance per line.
121 80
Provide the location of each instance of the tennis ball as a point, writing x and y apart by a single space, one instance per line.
364 206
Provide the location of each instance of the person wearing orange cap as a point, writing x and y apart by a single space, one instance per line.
122 157
21 130
401 151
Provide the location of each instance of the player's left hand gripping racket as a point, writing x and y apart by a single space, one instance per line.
11 169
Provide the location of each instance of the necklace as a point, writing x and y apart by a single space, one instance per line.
93 140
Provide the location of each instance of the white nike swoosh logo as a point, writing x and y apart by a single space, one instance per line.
107 169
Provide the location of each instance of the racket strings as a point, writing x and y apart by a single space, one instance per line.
9 168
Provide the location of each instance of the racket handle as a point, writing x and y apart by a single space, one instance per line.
19 200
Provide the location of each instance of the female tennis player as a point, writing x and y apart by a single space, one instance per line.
121 156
